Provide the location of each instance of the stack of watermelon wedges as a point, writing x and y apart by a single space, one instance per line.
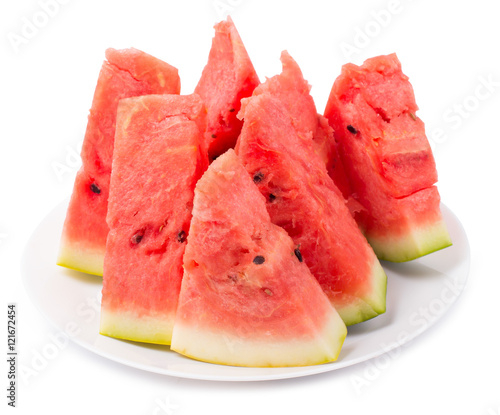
235 223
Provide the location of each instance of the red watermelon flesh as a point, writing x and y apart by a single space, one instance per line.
125 73
302 198
387 158
294 92
156 163
228 76
247 299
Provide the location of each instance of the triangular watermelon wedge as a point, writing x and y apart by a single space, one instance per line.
388 159
125 73
278 149
247 299
227 77
156 164
293 91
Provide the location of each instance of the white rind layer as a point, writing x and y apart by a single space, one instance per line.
364 308
128 325
226 349
421 241
75 256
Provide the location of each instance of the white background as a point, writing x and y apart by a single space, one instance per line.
449 51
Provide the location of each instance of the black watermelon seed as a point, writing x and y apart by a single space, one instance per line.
258 177
298 254
272 198
95 189
214 136
181 236
231 110
352 129
259 259
137 237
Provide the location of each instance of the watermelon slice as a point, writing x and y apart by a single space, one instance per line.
293 91
228 76
247 299
303 199
125 73
387 159
156 163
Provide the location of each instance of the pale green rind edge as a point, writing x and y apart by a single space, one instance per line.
220 348
416 244
127 325
371 305
83 259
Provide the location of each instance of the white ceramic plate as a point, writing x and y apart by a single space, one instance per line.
418 293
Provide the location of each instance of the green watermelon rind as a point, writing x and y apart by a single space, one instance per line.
415 244
78 257
365 308
127 325
217 347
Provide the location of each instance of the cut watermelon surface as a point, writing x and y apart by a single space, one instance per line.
228 76
156 164
125 73
247 299
302 198
293 91
387 159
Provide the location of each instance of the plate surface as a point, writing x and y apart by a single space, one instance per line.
418 293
